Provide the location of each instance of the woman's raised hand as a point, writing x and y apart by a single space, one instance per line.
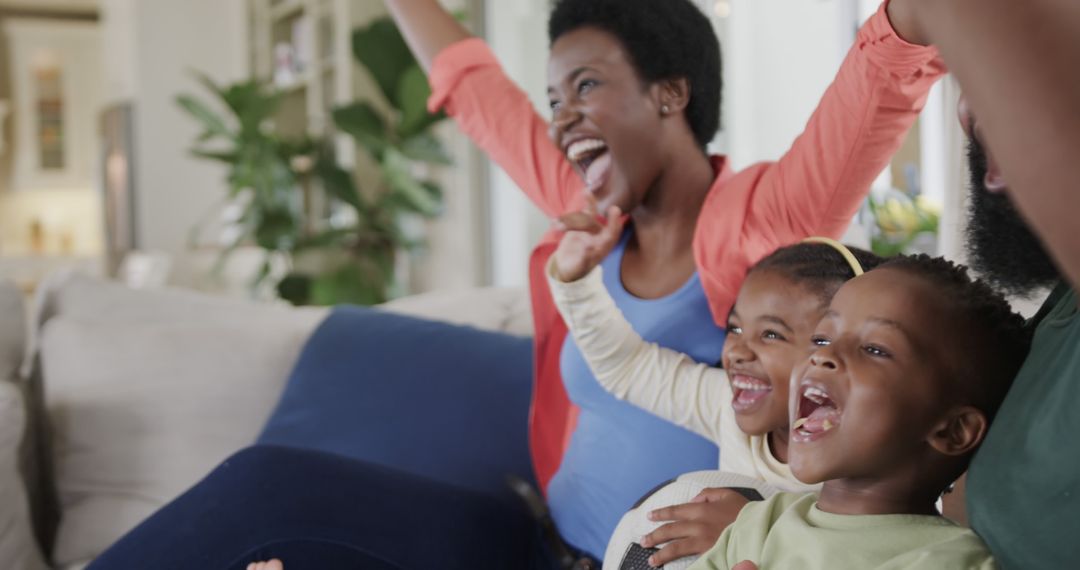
428 28
587 241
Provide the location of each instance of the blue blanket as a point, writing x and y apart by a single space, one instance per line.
447 402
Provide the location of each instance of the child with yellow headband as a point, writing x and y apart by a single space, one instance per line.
742 406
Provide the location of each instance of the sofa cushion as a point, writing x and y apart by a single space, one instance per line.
448 402
138 413
18 545
91 300
18 549
501 309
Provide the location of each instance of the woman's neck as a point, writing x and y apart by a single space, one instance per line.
664 222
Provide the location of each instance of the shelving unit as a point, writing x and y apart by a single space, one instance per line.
303 47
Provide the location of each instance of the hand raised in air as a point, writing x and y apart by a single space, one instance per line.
588 240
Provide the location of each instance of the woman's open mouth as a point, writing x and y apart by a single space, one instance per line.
592 159
816 415
748 393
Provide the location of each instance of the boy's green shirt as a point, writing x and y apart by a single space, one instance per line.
788 531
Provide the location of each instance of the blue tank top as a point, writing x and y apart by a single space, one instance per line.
619 452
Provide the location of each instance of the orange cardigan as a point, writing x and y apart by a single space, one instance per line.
814 189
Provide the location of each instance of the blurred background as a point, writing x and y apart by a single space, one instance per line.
279 149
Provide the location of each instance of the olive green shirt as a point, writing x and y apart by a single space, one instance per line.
788 532
1023 488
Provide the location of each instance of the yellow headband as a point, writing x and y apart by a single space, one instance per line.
844 251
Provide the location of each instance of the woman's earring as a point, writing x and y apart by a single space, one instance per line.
664 109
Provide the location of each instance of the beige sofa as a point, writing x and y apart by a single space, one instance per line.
128 397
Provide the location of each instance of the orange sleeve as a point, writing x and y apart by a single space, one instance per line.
861 121
818 185
470 85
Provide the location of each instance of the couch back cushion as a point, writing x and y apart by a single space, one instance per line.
18 548
445 401
140 412
12 331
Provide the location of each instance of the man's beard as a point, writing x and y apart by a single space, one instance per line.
1001 246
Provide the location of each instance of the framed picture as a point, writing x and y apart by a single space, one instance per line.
56 91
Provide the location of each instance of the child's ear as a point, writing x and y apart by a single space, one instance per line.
959 432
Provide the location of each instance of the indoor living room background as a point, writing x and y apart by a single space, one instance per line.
154 302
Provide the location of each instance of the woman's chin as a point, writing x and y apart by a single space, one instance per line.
605 195
614 194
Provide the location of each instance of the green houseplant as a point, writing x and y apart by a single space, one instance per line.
279 181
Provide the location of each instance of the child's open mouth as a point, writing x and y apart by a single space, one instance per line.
748 392
817 414
592 159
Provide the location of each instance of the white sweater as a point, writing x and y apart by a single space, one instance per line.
662 381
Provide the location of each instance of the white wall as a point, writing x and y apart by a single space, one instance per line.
779 57
119 49
152 46
517 33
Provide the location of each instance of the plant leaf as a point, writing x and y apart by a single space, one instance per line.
404 186
295 288
251 101
276 230
412 96
338 183
211 121
360 283
425 147
226 156
364 123
380 48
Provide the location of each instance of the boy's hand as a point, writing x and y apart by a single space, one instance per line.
696 525
586 242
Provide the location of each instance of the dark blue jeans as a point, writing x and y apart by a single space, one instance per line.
321 511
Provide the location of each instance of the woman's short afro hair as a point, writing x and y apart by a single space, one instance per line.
666 39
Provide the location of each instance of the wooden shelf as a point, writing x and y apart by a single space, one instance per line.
327 79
